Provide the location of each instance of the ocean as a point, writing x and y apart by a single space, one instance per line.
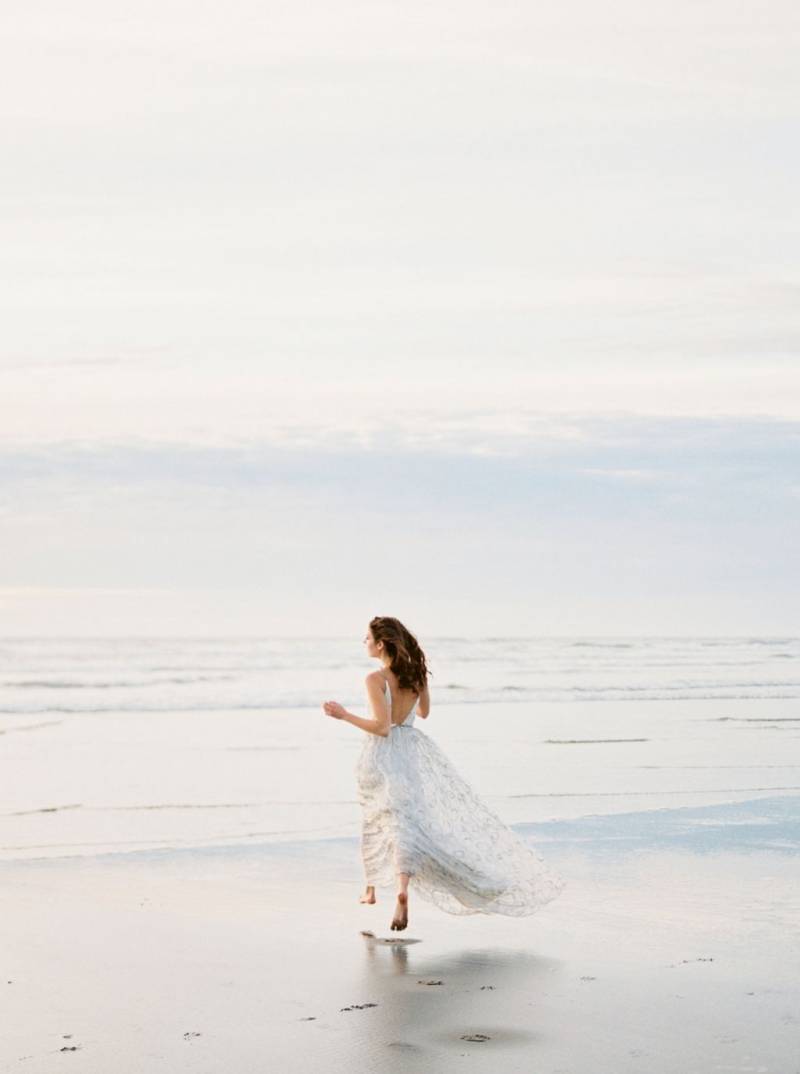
119 745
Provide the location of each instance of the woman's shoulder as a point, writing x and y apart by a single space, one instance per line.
377 677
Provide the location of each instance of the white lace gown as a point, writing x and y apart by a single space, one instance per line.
421 817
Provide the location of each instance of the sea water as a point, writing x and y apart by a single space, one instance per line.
125 744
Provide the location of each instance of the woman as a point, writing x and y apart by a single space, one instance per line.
420 817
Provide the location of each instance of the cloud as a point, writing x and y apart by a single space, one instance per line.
594 524
514 465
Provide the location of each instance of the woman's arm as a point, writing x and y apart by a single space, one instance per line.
366 725
424 703
380 724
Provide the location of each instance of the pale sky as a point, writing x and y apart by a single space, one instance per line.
475 314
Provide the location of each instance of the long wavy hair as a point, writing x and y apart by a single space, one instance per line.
407 659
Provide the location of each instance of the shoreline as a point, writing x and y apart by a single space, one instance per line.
737 825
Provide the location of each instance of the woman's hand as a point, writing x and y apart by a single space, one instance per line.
333 708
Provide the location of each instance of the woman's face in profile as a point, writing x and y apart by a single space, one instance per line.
369 644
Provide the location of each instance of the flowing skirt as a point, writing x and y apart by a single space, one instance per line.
421 817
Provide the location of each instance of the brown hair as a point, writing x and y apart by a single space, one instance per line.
407 659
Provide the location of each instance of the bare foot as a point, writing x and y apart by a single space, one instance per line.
400 919
369 895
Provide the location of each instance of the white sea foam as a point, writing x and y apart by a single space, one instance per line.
152 675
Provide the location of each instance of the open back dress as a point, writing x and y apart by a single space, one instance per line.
421 817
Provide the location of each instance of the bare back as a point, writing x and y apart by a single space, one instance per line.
399 699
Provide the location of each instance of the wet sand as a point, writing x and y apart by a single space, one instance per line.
672 949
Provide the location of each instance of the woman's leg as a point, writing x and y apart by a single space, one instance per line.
369 893
400 919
